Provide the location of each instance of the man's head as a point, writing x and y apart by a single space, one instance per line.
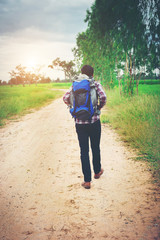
88 70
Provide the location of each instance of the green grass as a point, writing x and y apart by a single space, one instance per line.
55 85
150 81
61 85
149 89
137 119
17 100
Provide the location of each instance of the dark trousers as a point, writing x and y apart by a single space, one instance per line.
92 132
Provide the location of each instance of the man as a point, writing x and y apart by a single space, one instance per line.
89 129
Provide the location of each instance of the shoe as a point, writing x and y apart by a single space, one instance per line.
86 185
96 176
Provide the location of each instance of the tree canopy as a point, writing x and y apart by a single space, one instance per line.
66 67
122 36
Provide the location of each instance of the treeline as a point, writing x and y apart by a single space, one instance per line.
20 76
121 42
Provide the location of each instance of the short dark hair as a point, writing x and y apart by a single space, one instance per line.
88 70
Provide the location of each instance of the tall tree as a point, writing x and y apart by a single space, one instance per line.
116 39
21 73
66 67
18 75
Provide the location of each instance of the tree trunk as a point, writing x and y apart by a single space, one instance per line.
119 82
134 68
137 86
65 75
137 82
130 72
126 64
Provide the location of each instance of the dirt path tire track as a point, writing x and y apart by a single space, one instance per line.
40 175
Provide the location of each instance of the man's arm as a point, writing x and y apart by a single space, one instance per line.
102 95
66 97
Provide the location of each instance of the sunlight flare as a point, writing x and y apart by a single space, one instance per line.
31 64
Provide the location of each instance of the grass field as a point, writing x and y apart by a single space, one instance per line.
55 85
17 99
61 85
150 81
137 119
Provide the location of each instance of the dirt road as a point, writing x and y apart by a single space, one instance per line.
41 197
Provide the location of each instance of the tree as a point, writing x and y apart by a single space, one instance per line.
116 40
21 76
21 73
45 80
66 67
4 83
18 76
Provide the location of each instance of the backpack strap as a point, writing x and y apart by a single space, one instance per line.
74 103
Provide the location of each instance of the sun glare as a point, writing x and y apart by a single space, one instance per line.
31 64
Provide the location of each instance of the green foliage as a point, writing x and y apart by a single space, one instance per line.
121 37
102 59
137 119
16 100
126 85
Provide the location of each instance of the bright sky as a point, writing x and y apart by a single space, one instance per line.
35 32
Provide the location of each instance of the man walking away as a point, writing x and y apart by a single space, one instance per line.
89 128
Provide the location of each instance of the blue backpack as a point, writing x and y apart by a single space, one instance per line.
82 104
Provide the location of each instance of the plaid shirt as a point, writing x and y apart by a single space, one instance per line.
102 100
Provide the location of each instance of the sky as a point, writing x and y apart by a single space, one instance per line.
35 32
